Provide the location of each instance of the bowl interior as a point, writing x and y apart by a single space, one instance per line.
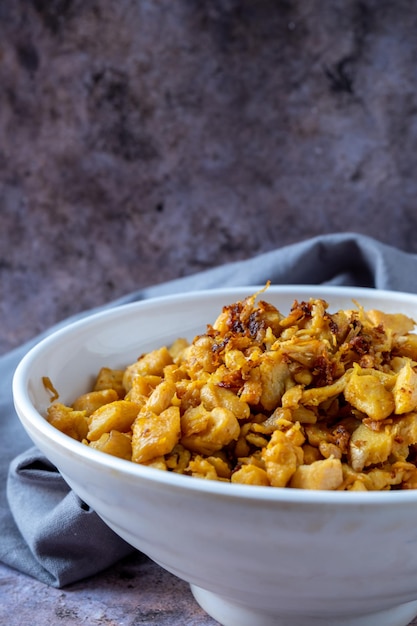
72 356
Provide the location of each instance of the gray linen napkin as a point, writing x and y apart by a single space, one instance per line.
46 531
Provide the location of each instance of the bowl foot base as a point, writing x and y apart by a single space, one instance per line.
228 613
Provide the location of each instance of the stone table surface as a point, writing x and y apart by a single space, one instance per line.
142 141
135 591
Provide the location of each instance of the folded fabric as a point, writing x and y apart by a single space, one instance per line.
47 531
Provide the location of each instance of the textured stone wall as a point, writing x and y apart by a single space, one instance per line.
143 140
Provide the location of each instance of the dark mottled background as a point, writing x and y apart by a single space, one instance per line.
145 140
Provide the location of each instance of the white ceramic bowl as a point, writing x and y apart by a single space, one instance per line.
254 556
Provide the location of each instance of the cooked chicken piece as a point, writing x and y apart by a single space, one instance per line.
326 474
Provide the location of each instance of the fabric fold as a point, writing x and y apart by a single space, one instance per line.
65 536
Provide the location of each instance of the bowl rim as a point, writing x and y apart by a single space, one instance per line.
253 493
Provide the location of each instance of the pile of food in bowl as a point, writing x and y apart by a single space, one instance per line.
307 398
